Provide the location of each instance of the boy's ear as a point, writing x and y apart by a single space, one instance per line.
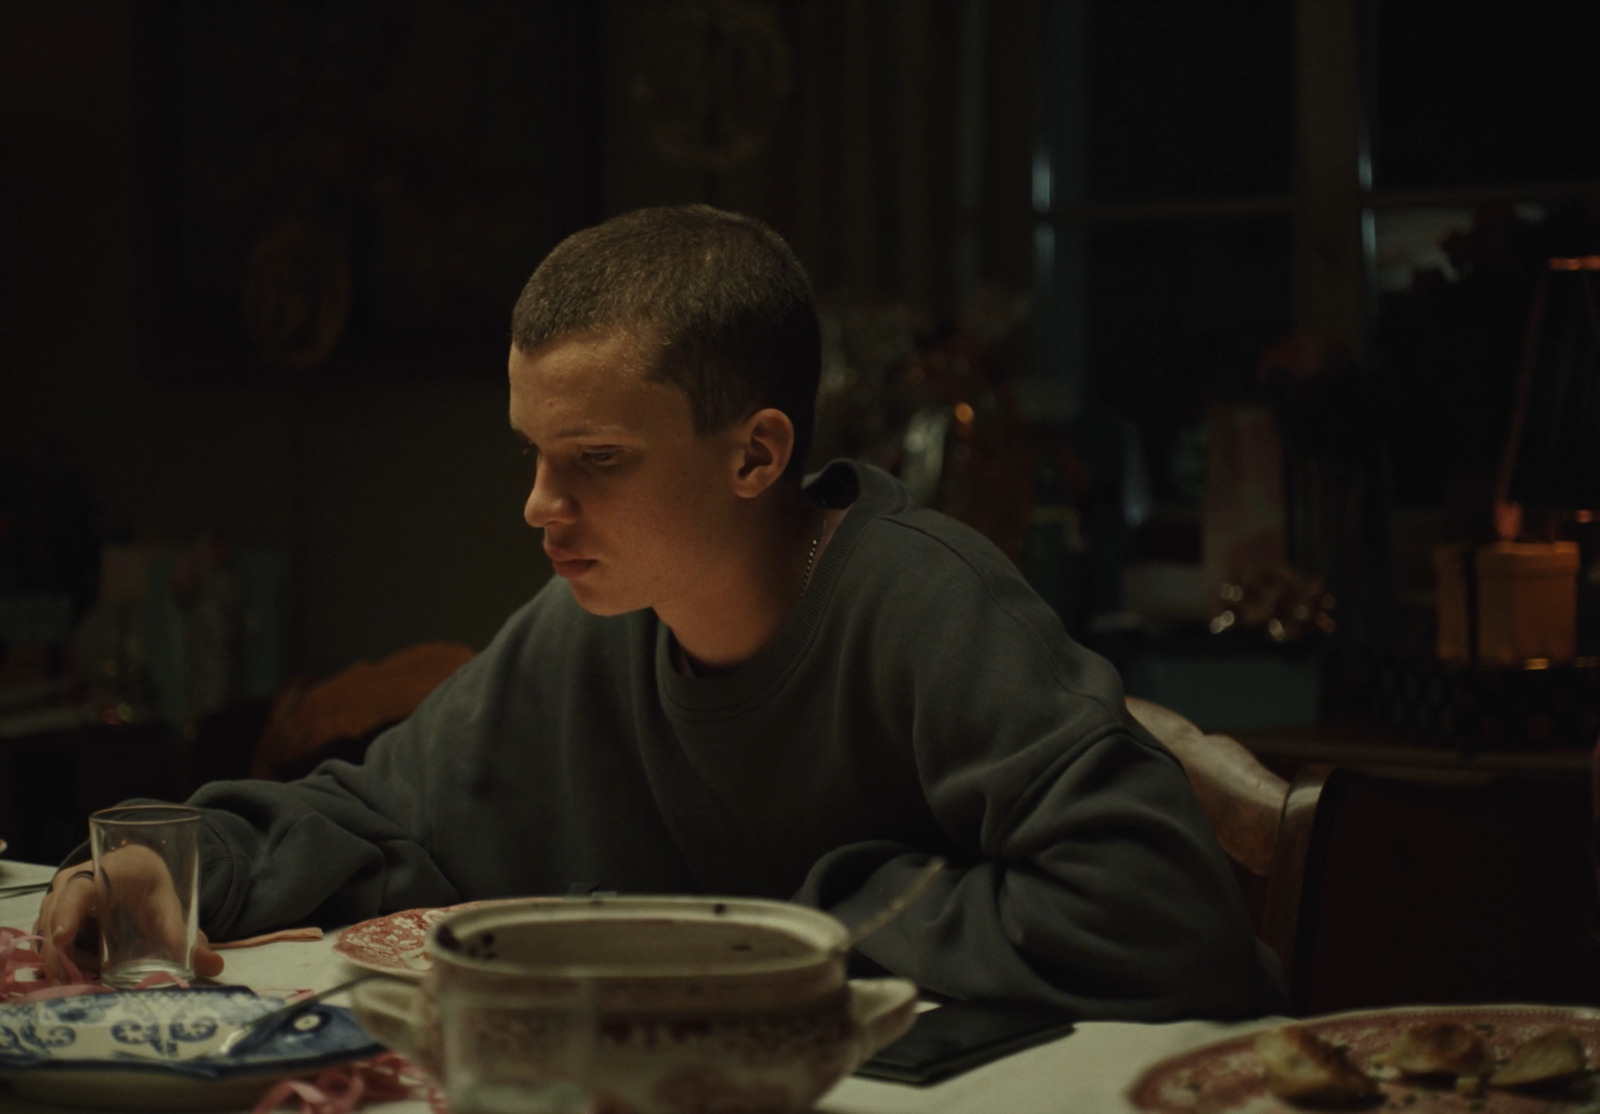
765 443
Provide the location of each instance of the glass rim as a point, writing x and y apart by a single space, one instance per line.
146 814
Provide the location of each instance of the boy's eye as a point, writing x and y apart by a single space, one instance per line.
599 456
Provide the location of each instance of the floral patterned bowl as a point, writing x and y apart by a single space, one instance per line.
149 1048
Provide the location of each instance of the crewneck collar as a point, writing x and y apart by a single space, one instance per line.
869 493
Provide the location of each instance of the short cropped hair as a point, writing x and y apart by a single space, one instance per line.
722 306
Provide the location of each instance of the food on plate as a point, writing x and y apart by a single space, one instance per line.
1302 1067
1552 1055
1440 1048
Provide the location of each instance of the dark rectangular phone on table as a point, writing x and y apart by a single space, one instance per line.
959 1036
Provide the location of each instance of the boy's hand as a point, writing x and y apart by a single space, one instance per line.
68 922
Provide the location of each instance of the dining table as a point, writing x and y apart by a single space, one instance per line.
1087 1071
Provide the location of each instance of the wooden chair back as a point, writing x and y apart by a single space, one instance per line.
1264 823
339 716
1594 830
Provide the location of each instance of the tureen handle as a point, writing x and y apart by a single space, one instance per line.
882 1009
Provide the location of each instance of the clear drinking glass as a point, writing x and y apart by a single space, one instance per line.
512 1049
147 867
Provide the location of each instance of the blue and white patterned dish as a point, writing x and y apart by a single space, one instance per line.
148 1048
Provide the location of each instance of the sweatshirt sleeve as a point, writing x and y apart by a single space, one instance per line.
410 825
1083 875
344 843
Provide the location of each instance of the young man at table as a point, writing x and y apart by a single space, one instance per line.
740 683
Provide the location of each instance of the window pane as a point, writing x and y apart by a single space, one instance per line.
1454 289
1189 100
1463 99
1177 317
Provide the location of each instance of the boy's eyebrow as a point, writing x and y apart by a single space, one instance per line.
573 431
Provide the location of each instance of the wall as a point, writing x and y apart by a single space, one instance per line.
398 506
898 165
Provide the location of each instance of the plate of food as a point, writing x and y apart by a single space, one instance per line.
149 1049
1473 1059
393 942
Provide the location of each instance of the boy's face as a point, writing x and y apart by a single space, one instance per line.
634 504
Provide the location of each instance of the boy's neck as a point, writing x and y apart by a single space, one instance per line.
745 607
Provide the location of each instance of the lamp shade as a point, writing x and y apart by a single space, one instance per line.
1552 456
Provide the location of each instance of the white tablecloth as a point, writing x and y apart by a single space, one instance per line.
1086 1072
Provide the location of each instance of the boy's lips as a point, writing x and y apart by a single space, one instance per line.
566 562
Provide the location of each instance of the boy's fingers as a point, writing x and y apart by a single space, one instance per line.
206 962
87 962
52 962
66 923
169 925
68 927
52 896
56 958
74 905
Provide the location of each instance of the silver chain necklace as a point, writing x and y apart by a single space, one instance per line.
811 556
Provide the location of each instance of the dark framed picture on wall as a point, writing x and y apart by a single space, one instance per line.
354 188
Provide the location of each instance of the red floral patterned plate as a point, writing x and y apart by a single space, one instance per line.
393 943
1225 1077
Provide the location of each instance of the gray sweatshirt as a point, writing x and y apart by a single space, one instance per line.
921 700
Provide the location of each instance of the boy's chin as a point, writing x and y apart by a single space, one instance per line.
600 603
